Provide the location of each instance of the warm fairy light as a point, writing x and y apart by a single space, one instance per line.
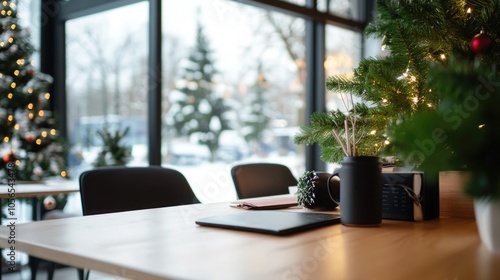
12 5
52 132
482 125
13 26
9 13
443 56
415 99
469 10
2 44
387 142
30 90
6 139
30 106
4 3
373 132
13 85
1 75
44 134
16 72
3 12
17 126
30 115
20 61
18 162
10 118
11 39
63 173
38 141
47 95
430 105
41 113
384 100
10 95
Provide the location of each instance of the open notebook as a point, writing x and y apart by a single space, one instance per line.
270 222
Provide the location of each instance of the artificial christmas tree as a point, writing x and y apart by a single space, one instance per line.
27 127
415 34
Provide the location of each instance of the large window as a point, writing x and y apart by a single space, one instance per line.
233 90
235 85
106 84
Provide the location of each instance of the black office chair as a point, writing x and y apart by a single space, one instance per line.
117 189
261 179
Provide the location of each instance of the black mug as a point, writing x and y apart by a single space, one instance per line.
360 191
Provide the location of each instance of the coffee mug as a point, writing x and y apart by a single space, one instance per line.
360 191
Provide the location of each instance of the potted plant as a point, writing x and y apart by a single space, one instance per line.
460 134
313 191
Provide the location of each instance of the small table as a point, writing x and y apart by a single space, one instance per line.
33 191
165 243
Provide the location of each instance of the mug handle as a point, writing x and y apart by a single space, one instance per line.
335 174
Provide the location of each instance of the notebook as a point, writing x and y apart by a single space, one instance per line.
266 203
270 222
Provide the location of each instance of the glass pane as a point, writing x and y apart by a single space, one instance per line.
343 53
106 60
343 8
233 91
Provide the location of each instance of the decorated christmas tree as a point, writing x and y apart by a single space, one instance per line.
28 133
415 35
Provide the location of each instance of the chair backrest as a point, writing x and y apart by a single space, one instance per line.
261 179
116 189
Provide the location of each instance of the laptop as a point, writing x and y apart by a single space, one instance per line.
270 222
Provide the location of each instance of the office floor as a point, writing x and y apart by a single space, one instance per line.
63 273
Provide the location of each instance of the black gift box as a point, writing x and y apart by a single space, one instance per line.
409 196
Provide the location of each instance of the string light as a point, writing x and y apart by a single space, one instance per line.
53 131
10 118
13 85
4 3
9 13
6 139
30 90
47 95
30 106
30 115
17 126
63 173
13 26
387 142
16 72
11 40
373 132
2 44
481 126
38 141
44 134
18 162
2 12
443 56
10 95
41 113
20 61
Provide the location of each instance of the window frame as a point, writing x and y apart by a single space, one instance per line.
55 13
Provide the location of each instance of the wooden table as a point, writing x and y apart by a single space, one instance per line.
166 243
41 189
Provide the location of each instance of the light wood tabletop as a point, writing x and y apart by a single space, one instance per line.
40 189
165 243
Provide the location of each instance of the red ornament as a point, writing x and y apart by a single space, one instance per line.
31 72
29 138
481 43
9 157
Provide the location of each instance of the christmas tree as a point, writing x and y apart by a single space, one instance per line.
201 110
256 114
415 34
27 127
